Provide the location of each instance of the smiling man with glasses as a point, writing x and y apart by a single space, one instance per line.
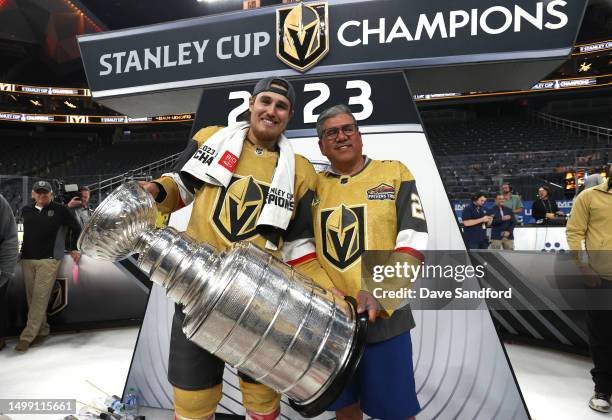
365 205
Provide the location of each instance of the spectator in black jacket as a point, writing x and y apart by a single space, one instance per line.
545 208
502 228
41 253
9 247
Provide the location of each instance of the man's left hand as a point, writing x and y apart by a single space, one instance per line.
367 302
76 256
506 234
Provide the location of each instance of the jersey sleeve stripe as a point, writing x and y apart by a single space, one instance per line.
409 238
303 259
412 252
294 250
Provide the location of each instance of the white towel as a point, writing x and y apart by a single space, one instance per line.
215 162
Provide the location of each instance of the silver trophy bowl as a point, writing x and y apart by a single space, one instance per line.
243 305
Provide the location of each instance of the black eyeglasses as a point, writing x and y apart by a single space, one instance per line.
332 133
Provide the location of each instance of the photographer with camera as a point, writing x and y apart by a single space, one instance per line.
79 206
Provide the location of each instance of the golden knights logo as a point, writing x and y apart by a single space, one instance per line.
343 234
302 35
59 296
239 207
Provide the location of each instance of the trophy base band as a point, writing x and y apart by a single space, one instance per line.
339 382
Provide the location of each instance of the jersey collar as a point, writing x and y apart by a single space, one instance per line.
332 172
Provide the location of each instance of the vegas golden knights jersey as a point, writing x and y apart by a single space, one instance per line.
222 216
377 209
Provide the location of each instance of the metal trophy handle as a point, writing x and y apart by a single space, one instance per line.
243 305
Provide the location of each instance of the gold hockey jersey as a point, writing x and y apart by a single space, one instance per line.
222 216
376 209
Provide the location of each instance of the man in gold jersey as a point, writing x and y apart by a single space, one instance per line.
245 183
363 204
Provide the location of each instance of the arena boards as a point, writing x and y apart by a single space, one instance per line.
460 367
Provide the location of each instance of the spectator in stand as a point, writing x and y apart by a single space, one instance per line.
475 221
512 201
9 248
42 251
545 208
502 227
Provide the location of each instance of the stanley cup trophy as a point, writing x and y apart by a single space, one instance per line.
242 305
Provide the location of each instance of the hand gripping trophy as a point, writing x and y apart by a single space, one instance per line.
242 305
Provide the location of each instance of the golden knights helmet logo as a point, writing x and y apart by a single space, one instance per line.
59 296
238 210
302 35
343 235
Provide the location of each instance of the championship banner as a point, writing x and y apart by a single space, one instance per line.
482 40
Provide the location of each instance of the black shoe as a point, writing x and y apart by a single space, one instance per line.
600 402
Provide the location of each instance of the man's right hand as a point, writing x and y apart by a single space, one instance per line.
506 217
487 219
150 187
75 203
368 303
590 277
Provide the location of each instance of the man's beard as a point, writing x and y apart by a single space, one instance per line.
264 136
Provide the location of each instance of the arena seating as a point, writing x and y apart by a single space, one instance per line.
473 153
82 159
596 111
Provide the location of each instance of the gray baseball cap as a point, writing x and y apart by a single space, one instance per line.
42 185
266 85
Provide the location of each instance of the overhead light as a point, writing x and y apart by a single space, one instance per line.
70 104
